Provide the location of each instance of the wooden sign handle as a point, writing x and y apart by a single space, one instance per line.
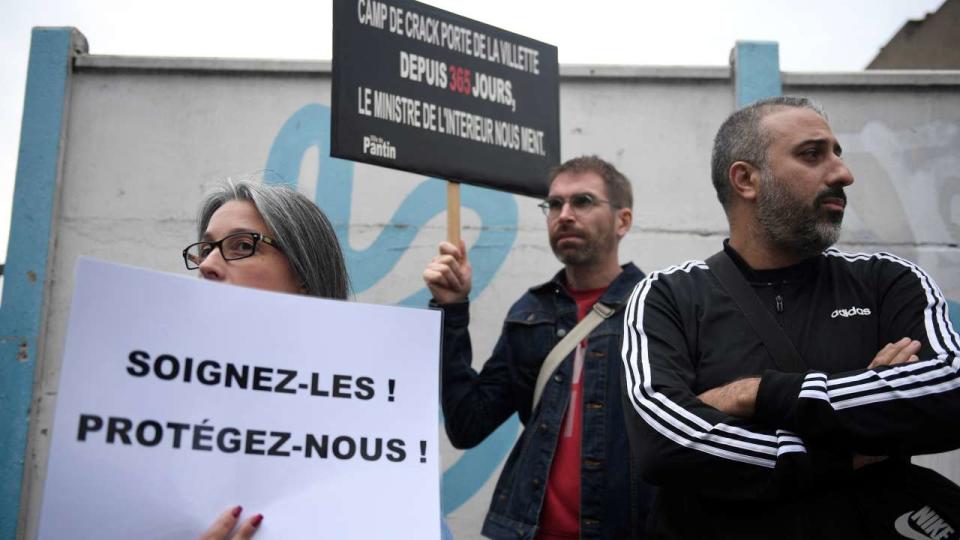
453 213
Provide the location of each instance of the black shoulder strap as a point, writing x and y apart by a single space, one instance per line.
784 354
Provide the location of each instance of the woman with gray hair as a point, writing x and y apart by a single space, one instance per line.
265 237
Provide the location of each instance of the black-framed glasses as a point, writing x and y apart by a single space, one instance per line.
580 203
232 247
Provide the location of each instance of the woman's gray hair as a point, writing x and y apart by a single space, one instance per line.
304 233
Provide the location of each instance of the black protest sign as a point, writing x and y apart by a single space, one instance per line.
423 90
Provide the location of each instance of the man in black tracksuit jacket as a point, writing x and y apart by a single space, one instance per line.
742 450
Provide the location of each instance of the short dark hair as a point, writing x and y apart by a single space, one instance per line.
619 191
303 231
741 139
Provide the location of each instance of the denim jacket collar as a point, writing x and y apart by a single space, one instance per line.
617 292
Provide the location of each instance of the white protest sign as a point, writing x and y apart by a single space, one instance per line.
180 398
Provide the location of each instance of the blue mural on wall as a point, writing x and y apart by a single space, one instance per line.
309 127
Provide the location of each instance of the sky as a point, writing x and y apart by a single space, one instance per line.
814 35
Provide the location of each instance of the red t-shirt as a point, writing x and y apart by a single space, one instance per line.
560 518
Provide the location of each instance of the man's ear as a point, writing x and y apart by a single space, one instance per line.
744 180
624 221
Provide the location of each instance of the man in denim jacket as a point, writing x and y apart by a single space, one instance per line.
568 475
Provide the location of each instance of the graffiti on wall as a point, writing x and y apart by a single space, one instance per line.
309 128
900 171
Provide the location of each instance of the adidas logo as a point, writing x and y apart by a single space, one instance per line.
849 312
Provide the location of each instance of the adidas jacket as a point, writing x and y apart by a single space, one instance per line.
787 472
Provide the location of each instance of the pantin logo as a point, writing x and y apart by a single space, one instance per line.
379 147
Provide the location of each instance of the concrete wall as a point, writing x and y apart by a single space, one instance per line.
144 138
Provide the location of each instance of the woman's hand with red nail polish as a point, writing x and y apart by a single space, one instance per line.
223 526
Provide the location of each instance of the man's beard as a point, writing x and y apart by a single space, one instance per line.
793 224
587 253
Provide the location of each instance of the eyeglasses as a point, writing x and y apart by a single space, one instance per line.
581 203
232 247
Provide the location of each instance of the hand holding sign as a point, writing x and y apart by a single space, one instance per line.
449 276
223 526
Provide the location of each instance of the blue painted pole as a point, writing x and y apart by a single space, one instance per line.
756 71
25 274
